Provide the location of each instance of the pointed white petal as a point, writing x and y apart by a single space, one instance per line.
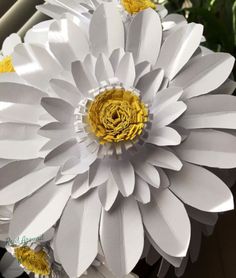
141 191
209 148
66 91
58 108
149 84
123 173
204 74
77 236
210 111
142 69
126 70
165 136
39 212
147 172
164 158
144 36
20 93
35 64
106 30
80 185
167 222
103 69
84 80
165 97
169 114
121 230
108 193
63 44
15 189
116 57
201 189
62 153
178 48
98 172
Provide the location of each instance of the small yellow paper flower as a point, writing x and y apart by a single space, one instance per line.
135 6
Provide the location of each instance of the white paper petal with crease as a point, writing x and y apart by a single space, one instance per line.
126 70
141 191
204 74
210 111
201 189
108 193
123 174
164 158
46 206
147 172
35 64
63 44
106 30
77 236
165 136
144 36
149 84
122 236
178 48
209 148
167 222
103 68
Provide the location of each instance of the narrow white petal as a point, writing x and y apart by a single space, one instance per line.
121 230
108 193
167 222
80 185
63 44
62 153
84 80
144 36
141 191
169 114
20 93
98 172
66 91
142 69
126 70
164 158
123 173
13 190
209 148
116 57
106 30
58 108
35 64
39 212
165 97
210 111
77 236
178 48
201 189
103 68
204 74
147 172
165 136
149 84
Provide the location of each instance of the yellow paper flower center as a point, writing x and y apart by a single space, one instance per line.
6 65
117 115
135 6
33 261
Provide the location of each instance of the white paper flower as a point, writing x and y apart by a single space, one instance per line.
122 154
83 10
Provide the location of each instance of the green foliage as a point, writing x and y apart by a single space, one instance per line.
218 18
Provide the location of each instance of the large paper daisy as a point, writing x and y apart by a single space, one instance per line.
125 150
